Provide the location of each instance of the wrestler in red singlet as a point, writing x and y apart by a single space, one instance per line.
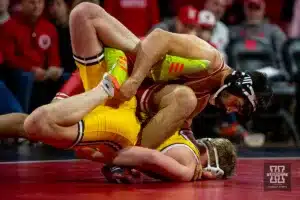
204 84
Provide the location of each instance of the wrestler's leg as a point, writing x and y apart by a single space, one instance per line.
176 103
11 125
87 18
46 123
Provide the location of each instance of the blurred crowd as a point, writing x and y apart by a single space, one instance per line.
35 47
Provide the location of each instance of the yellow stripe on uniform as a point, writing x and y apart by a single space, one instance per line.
179 140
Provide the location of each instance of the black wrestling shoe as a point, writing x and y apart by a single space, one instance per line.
115 174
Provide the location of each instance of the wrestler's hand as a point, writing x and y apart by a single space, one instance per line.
39 73
119 175
54 73
128 89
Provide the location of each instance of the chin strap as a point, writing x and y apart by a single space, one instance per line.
216 171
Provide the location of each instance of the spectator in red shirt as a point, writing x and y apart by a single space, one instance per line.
137 15
32 46
32 42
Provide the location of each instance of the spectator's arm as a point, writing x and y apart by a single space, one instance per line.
224 46
295 24
278 39
226 39
53 51
234 33
222 33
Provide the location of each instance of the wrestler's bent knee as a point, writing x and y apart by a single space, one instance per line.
79 12
186 100
39 126
86 10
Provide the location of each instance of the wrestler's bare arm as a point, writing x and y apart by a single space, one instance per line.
159 43
154 161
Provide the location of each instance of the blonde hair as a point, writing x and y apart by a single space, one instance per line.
226 153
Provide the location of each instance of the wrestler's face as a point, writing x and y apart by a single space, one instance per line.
217 7
4 6
230 102
33 8
254 12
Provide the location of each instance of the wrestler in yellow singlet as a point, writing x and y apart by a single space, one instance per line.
105 125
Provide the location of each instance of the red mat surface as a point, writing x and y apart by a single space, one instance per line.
82 180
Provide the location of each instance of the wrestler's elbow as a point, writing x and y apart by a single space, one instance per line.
86 10
158 38
157 32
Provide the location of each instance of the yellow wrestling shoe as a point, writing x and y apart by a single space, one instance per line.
171 67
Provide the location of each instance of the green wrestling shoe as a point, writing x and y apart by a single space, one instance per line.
171 67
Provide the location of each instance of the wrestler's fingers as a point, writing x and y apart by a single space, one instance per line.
136 173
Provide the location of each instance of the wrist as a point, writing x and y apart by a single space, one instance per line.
135 82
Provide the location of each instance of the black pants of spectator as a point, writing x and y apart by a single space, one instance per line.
297 110
43 92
